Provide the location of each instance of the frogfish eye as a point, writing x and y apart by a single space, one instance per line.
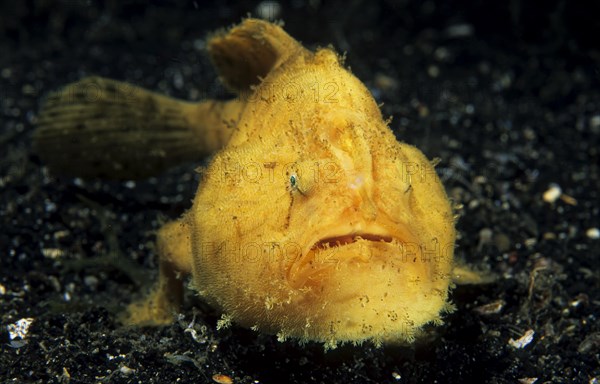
293 181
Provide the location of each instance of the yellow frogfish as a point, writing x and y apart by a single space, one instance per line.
311 221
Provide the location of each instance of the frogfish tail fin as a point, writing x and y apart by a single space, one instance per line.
98 127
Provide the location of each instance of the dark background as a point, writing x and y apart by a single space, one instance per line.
511 106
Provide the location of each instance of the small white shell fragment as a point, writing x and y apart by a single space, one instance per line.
20 328
528 380
52 253
593 233
523 341
126 370
552 194
490 308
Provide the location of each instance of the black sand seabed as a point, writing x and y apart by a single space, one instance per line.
506 95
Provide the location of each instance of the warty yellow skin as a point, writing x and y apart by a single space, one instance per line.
313 222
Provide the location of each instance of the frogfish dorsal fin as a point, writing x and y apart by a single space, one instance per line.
249 51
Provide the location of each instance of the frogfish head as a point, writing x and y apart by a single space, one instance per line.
328 230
